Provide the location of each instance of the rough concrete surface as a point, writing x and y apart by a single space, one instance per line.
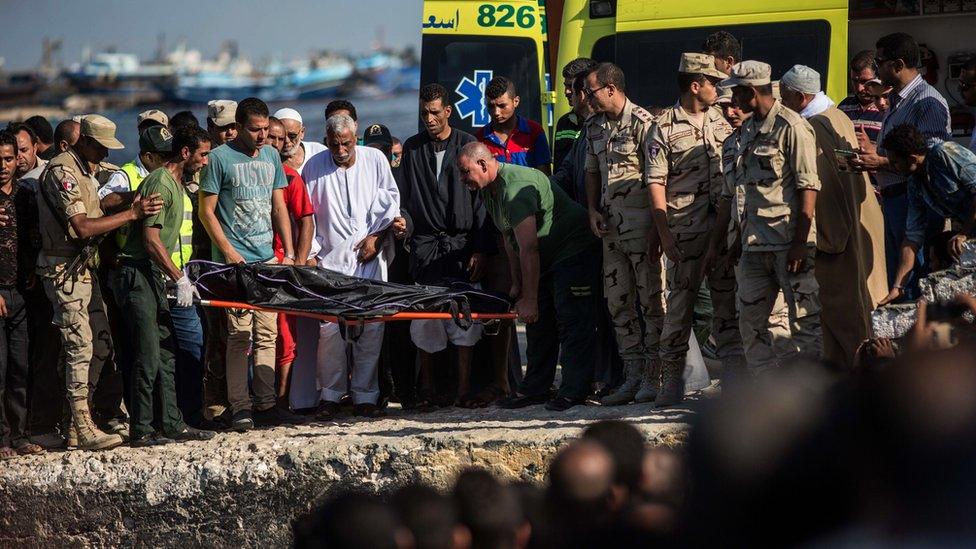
244 489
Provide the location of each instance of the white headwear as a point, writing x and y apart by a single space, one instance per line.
288 114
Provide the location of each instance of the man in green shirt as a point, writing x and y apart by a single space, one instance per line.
141 291
555 280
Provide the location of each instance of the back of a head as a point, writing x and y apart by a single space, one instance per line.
625 444
183 119
341 105
723 44
607 73
42 128
900 45
581 477
429 515
348 521
491 510
67 131
580 65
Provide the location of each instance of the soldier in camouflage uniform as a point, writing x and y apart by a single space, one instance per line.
686 181
69 215
619 211
776 171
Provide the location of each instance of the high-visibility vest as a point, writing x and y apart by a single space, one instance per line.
182 254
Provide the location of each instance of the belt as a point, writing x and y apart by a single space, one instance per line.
891 191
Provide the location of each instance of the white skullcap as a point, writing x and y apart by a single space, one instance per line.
288 114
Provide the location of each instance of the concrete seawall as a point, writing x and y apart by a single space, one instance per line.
244 489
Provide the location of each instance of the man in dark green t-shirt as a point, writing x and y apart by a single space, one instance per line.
140 289
555 280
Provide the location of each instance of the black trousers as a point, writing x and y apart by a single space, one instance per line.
13 369
569 298
48 403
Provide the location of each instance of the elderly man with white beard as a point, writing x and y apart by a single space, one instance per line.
297 152
355 200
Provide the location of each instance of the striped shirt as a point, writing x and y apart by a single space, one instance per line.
526 146
920 105
869 117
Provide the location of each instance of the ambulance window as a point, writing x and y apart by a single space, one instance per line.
463 63
650 59
603 49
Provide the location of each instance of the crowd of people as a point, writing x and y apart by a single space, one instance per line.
783 217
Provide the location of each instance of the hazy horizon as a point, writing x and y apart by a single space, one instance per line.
302 27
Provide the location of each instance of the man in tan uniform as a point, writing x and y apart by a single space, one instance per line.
69 216
619 212
776 169
686 181
850 226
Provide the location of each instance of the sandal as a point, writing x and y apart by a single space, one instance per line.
327 411
29 449
7 452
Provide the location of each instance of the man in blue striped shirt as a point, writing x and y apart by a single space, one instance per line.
912 101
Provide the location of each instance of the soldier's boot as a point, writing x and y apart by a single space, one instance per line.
624 394
89 437
72 438
650 382
672 384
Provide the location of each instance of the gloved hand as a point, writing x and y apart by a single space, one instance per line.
185 292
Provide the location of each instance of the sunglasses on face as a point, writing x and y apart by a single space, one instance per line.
590 93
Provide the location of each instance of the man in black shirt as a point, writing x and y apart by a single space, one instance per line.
13 313
569 125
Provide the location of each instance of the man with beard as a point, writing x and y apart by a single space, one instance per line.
296 152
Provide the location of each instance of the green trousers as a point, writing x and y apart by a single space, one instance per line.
142 298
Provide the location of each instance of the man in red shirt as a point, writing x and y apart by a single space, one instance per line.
303 229
511 138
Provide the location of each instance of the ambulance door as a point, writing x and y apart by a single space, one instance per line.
467 43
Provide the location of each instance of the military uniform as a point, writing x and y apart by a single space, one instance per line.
778 330
79 310
617 150
686 159
68 189
776 160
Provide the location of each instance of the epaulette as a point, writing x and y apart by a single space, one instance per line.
642 114
103 165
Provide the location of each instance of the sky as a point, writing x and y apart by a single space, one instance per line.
285 29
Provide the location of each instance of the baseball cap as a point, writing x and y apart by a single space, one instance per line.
802 79
157 139
221 111
288 114
377 133
699 63
153 115
748 73
100 129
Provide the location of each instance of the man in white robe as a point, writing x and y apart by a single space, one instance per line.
355 200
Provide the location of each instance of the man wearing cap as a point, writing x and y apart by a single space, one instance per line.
850 227
152 117
776 168
617 173
69 216
296 151
449 237
145 259
685 173
220 121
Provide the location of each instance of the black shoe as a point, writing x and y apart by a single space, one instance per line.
275 416
152 439
218 423
241 421
327 411
366 409
194 434
561 404
521 401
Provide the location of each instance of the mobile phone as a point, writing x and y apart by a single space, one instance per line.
844 157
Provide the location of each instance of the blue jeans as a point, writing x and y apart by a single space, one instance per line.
895 211
189 362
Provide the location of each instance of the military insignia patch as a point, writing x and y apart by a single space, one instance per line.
68 183
652 149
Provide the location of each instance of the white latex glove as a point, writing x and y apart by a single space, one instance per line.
185 292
